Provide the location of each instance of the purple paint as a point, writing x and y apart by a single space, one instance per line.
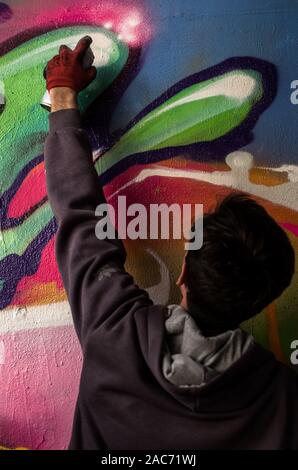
14 267
5 12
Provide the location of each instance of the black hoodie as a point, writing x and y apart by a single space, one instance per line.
125 402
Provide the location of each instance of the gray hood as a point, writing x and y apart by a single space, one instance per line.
192 360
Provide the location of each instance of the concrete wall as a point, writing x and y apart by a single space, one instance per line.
197 81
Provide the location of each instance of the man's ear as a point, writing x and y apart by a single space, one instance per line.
182 276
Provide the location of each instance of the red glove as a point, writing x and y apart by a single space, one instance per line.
66 70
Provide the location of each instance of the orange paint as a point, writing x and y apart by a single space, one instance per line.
267 177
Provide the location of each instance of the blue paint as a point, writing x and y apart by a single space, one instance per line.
192 35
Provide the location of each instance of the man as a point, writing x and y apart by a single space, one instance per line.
177 377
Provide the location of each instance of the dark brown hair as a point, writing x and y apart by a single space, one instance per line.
246 262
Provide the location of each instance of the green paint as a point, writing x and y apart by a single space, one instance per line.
23 121
200 113
17 239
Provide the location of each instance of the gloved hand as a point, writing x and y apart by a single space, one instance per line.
66 70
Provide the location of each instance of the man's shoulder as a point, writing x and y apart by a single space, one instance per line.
283 373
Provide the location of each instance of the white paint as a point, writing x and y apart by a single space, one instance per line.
285 194
128 37
291 170
108 25
240 163
2 353
102 46
134 21
234 85
31 318
97 153
216 177
240 160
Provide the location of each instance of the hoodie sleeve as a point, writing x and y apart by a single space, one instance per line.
98 288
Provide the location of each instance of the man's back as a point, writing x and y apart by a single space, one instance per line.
125 402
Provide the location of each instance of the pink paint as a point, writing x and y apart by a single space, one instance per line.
291 227
30 193
39 384
126 18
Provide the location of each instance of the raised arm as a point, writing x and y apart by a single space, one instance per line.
98 288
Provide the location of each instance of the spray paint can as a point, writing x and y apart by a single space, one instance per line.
86 62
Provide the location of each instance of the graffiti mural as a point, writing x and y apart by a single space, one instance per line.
164 127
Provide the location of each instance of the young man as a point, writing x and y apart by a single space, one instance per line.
177 377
